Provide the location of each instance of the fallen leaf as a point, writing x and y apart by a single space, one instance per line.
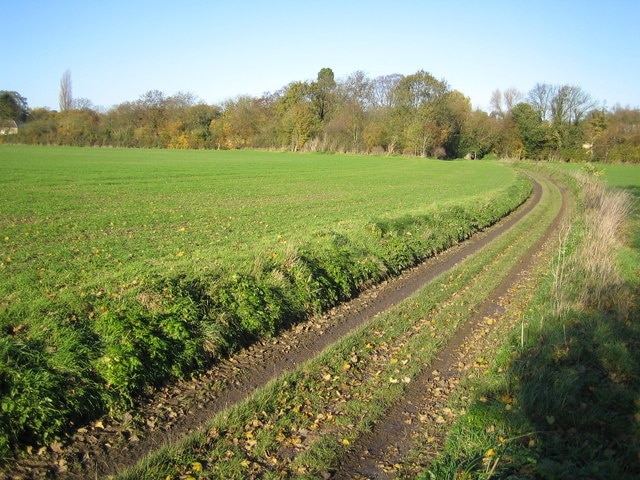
56 446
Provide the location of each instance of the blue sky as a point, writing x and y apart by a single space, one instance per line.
216 50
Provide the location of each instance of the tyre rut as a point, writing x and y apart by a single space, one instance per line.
381 454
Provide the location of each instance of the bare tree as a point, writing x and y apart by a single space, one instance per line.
382 88
496 103
570 104
66 96
358 88
83 104
541 97
503 102
512 97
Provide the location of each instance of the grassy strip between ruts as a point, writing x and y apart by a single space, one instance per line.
301 424
102 349
560 399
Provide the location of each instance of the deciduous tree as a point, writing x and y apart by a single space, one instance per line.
297 114
383 88
480 134
322 90
503 102
512 97
414 91
570 104
66 95
13 106
619 141
541 97
353 101
533 133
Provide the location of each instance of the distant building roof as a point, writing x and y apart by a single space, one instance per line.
8 127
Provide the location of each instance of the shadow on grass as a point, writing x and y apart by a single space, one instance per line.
579 390
578 387
567 406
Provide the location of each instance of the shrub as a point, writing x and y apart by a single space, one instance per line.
46 382
151 340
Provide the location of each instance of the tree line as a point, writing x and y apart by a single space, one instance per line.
413 114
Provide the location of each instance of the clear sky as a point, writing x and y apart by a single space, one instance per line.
118 50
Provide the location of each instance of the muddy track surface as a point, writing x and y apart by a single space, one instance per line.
110 445
422 412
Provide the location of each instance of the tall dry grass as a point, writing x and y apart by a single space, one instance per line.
559 290
592 269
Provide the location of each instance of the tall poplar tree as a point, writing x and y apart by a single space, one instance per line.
66 95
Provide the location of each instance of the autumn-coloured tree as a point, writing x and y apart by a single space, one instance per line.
353 100
615 137
414 114
480 135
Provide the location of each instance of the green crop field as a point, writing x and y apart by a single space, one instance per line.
123 268
83 220
626 176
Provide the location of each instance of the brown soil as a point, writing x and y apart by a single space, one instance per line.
110 445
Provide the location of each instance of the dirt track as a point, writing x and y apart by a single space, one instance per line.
382 454
108 446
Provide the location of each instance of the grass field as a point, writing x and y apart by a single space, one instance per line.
83 216
124 268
